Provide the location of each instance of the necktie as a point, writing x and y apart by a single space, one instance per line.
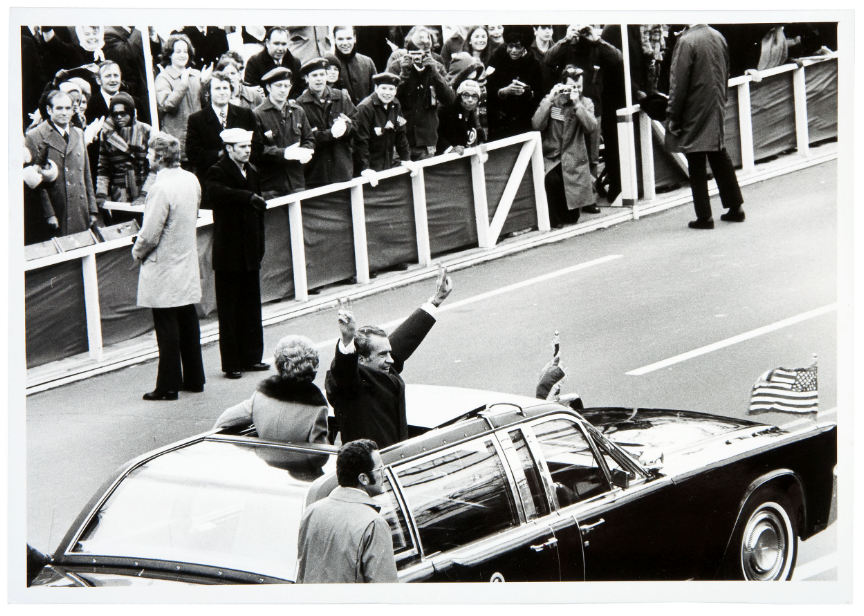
66 137
223 117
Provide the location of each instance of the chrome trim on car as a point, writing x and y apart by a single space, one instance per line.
502 541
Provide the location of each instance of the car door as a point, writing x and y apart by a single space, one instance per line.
622 533
469 518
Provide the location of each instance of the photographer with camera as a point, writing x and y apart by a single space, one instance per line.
566 120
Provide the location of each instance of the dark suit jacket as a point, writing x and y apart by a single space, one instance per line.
369 403
261 63
209 46
203 143
238 227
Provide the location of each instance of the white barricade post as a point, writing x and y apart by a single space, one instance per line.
358 224
646 153
481 204
745 127
151 78
421 223
802 132
91 306
298 252
538 175
627 154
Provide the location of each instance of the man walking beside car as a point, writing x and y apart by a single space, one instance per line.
343 538
364 384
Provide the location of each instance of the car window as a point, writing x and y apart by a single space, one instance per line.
574 469
530 486
392 512
458 496
222 504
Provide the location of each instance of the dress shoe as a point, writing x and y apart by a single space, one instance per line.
259 367
160 395
701 224
233 374
736 215
591 209
195 389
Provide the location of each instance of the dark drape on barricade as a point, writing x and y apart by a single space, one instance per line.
277 274
499 167
821 82
328 239
450 207
390 231
54 319
773 114
122 319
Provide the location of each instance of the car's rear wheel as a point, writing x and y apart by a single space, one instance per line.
764 545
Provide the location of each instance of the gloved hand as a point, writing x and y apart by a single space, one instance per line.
370 175
339 127
258 202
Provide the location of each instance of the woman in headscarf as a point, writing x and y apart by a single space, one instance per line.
123 167
288 406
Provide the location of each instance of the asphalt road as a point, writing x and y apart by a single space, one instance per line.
650 313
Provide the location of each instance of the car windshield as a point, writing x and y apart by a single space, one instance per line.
222 504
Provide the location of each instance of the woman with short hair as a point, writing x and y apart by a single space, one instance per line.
288 406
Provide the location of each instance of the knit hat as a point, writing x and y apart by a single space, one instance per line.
463 66
470 86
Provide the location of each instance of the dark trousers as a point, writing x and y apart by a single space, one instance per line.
179 339
724 173
556 199
238 303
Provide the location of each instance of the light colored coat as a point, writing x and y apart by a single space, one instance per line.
167 243
177 102
343 539
283 420
573 156
70 196
698 82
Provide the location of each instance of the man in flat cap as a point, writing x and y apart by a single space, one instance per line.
379 128
515 86
233 191
329 111
204 127
286 135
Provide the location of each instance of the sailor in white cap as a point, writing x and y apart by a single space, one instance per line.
232 189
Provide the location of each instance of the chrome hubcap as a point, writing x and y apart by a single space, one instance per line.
765 545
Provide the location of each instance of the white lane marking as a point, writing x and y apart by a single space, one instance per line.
815 567
499 291
753 333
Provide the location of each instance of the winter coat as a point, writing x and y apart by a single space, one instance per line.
279 129
420 93
123 165
377 130
369 403
697 90
512 115
177 102
282 410
167 243
70 197
238 226
333 159
262 63
355 73
458 127
572 151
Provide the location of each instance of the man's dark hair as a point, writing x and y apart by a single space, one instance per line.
270 32
361 339
354 457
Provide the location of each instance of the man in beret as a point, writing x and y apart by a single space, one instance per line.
329 111
274 54
514 87
423 85
379 127
203 128
458 123
288 143
233 191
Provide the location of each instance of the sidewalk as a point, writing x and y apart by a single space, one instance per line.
143 348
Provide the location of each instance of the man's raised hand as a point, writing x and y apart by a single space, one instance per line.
443 288
347 324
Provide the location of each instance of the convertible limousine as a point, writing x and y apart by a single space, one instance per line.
508 488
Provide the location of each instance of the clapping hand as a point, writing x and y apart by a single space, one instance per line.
206 72
340 125
443 287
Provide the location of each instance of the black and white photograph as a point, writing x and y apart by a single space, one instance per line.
402 297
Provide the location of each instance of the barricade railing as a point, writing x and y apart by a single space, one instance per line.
488 231
649 129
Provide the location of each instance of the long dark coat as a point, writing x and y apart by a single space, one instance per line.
333 160
70 197
238 227
697 90
369 403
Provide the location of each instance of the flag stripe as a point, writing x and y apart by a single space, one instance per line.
782 389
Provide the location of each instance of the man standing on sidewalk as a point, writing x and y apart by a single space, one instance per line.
233 191
697 102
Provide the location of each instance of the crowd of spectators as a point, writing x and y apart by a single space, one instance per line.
328 104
